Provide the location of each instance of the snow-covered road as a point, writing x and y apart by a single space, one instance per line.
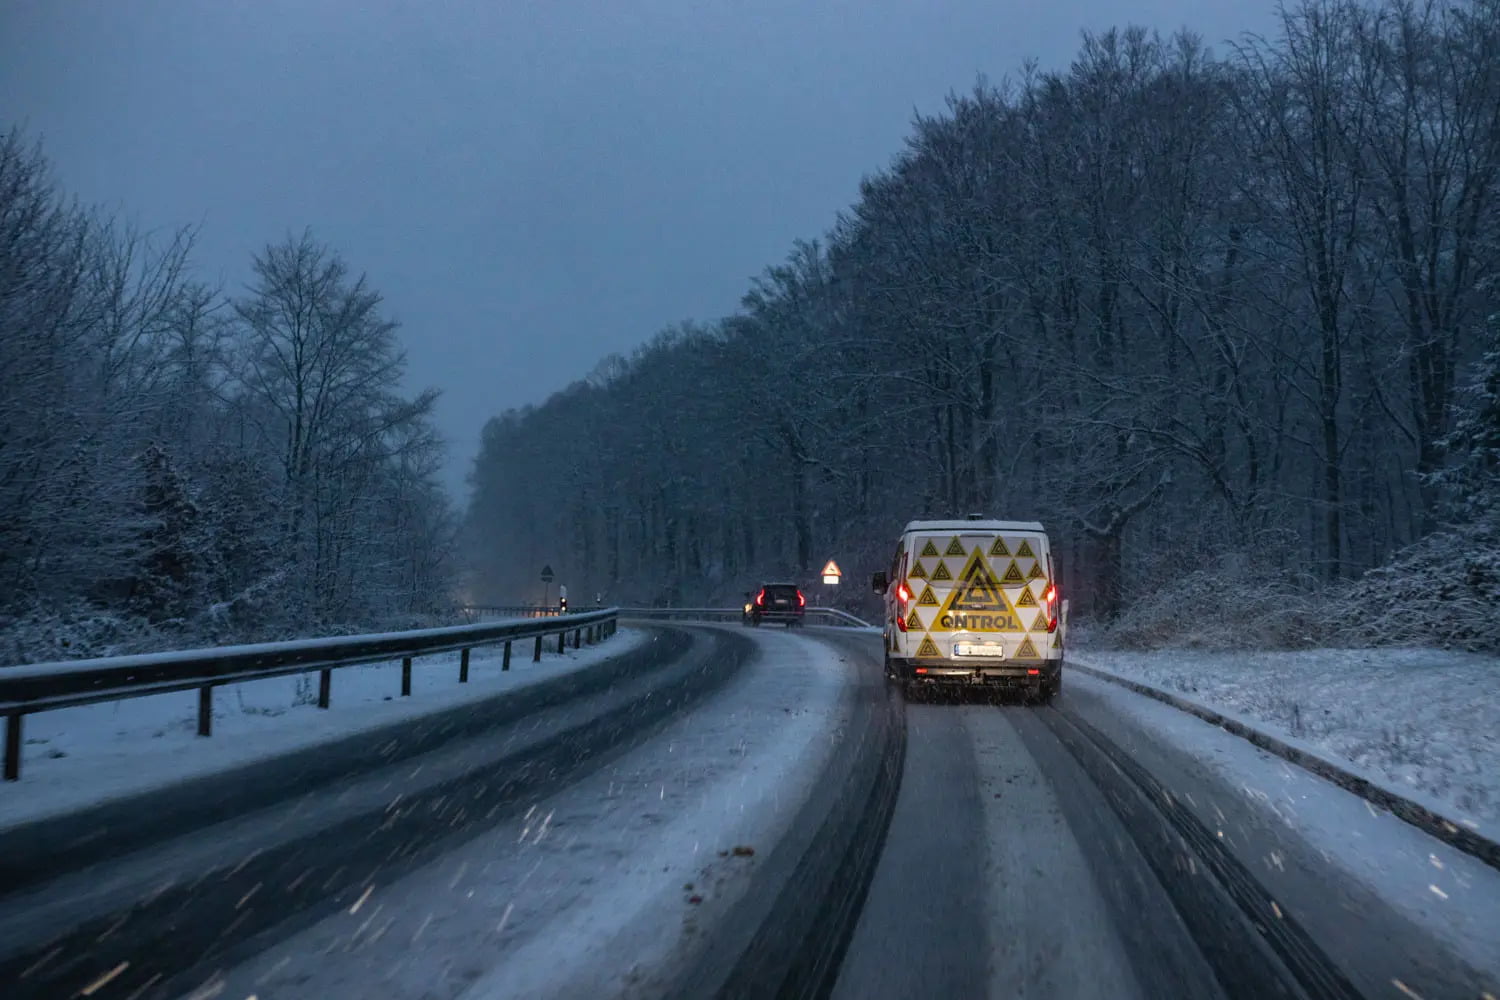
1114 846
600 889
723 813
584 821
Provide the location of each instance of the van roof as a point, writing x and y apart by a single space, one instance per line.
972 526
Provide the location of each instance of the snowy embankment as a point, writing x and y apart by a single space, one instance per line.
1418 722
76 757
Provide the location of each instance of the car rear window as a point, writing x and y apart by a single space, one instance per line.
780 590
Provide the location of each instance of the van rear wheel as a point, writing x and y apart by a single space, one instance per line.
1049 690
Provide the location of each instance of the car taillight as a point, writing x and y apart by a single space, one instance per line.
760 598
801 601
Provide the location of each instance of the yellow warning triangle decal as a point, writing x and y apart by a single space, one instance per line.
1024 552
941 573
1036 571
927 600
918 572
929 551
978 591
1027 650
928 647
1013 574
1056 640
1040 625
955 547
912 621
1026 600
977 603
999 549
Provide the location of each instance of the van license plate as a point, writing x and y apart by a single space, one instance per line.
978 649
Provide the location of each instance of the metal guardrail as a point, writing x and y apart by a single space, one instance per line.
480 612
830 616
43 687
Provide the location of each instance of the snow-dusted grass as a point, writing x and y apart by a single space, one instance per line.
1420 722
75 757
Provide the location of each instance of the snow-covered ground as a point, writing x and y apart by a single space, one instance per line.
598 889
1436 886
1419 722
78 756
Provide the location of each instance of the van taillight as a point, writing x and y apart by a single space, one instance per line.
801 601
760 598
902 596
1051 598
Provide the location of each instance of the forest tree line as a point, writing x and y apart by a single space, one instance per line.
179 465
1197 311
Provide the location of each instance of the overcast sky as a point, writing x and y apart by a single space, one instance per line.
532 185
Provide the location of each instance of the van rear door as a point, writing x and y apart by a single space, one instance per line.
979 594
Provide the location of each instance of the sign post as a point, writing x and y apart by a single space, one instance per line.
547 579
832 573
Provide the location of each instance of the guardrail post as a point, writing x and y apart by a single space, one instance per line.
13 747
205 711
562 642
325 684
578 638
405 676
505 663
537 656
463 667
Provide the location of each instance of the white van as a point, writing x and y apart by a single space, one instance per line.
973 602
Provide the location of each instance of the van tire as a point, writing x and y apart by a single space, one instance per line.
1050 690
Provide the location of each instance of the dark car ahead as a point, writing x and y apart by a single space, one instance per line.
778 602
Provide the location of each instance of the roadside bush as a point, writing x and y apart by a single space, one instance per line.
79 631
1444 592
1234 605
